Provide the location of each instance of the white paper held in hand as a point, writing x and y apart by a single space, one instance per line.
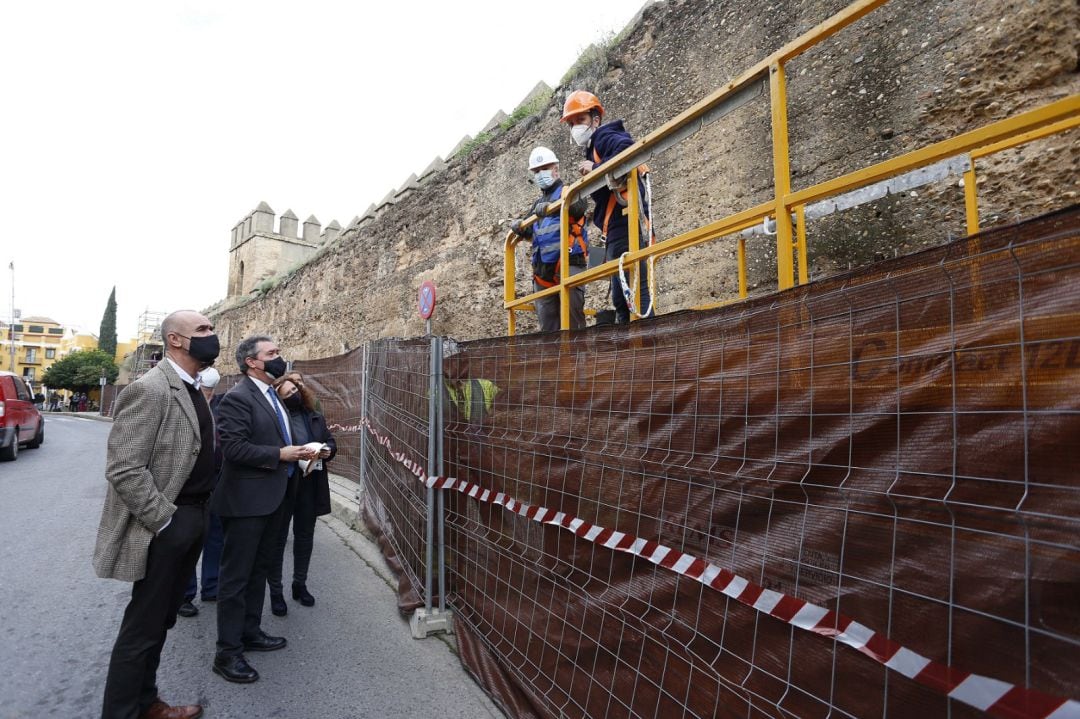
307 466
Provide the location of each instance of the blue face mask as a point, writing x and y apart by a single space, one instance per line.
544 179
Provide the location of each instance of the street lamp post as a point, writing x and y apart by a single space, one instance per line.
11 327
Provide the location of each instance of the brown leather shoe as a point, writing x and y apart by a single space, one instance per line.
161 710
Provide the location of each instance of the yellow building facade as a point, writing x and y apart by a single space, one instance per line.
32 344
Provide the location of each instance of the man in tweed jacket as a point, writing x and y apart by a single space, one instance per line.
159 468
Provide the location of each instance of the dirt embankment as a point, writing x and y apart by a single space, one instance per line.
910 73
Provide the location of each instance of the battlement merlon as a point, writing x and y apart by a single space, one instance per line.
333 230
289 224
312 229
263 217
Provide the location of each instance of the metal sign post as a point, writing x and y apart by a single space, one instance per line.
431 619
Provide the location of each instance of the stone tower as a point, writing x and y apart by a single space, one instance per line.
257 252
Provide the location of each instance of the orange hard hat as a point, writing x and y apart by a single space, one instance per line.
580 101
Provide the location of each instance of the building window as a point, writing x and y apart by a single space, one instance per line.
50 354
31 354
28 373
56 330
36 329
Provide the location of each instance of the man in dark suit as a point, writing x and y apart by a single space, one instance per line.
259 460
160 469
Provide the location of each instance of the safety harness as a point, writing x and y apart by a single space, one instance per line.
620 197
546 265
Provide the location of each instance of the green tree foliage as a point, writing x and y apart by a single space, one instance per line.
107 333
80 371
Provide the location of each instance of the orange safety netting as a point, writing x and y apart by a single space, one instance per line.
897 445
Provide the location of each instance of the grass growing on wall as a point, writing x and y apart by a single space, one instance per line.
474 143
526 109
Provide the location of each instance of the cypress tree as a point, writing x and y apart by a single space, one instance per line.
107 333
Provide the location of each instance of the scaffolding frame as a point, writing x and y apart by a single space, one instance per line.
150 347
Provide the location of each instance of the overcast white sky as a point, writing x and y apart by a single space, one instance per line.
135 134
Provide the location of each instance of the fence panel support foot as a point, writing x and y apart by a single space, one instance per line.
425 622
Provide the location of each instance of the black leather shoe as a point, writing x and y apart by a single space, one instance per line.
235 669
301 594
187 609
277 605
264 643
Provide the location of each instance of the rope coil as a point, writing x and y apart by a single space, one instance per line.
630 293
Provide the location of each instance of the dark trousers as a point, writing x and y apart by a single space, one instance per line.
618 299
547 308
131 684
246 559
302 509
211 562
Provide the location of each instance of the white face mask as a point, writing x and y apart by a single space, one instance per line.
544 178
581 134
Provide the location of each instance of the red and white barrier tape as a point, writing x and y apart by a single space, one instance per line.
995 697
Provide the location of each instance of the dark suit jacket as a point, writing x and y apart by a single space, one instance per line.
253 480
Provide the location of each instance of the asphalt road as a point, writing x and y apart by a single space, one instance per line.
350 656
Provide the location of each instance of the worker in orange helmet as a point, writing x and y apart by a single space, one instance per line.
584 114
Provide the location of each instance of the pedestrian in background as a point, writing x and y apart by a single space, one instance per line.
160 470
211 552
309 493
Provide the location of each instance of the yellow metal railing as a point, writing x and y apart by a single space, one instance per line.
791 248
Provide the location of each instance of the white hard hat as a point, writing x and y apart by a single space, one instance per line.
209 377
541 156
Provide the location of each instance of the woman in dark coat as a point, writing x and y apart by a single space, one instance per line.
308 495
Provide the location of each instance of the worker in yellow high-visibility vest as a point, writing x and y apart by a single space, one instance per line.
473 398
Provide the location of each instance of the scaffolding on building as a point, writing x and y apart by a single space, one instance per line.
149 350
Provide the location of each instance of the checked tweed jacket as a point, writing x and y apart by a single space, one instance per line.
152 449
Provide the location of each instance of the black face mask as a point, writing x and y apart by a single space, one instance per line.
294 402
204 349
275 367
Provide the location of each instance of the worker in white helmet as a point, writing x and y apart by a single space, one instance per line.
545 235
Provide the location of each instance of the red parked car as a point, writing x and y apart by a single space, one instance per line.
20 420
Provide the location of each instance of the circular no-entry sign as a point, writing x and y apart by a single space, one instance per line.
425 299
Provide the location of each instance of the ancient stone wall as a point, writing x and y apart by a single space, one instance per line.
910 73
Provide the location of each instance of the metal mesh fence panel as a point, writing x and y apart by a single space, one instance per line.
394 503
338 383
896 447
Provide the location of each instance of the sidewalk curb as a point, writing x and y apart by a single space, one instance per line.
344 521
82 415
